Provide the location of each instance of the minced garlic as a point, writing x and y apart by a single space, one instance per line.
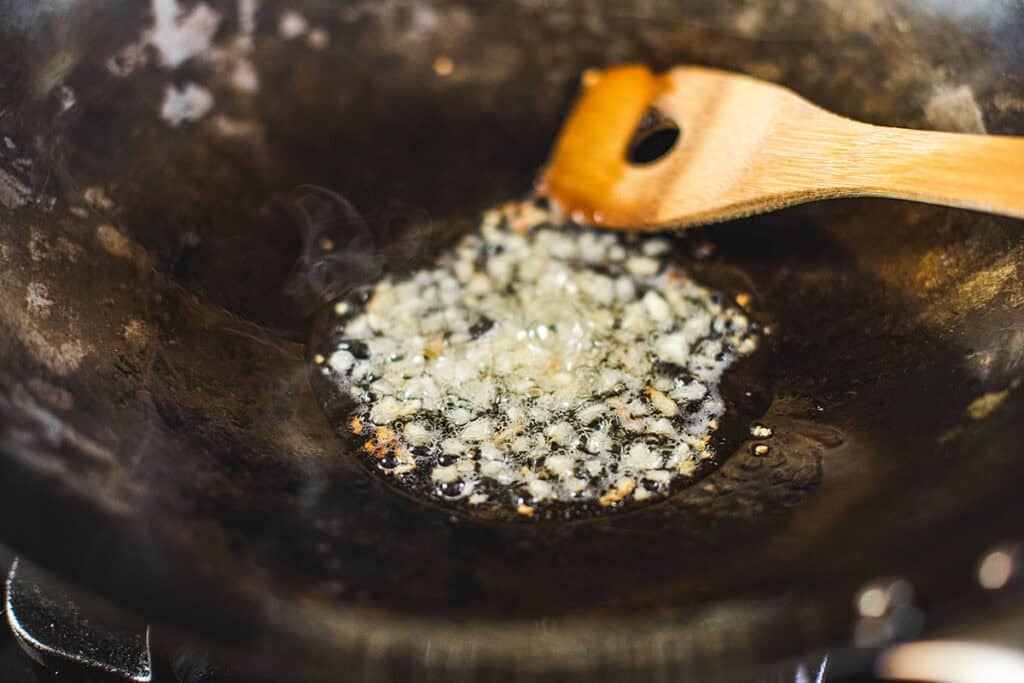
538 364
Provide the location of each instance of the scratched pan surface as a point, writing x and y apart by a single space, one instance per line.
160 441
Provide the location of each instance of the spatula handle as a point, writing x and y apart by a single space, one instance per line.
981 172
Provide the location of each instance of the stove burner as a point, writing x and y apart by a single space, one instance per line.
53 629
76 645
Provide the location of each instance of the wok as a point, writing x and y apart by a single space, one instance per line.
161 444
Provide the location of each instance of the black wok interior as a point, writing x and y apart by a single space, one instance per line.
161 444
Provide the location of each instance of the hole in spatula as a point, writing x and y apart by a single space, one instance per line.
655 137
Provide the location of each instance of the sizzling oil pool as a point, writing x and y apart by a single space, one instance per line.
538 367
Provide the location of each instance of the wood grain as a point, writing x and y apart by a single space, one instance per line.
748 146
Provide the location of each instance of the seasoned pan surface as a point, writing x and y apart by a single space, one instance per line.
161 441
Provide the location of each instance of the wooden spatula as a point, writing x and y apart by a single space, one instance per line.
697 145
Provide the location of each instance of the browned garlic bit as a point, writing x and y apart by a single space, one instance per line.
538 365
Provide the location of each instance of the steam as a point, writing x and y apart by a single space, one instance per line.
342 253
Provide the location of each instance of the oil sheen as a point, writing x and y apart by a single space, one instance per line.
538 366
